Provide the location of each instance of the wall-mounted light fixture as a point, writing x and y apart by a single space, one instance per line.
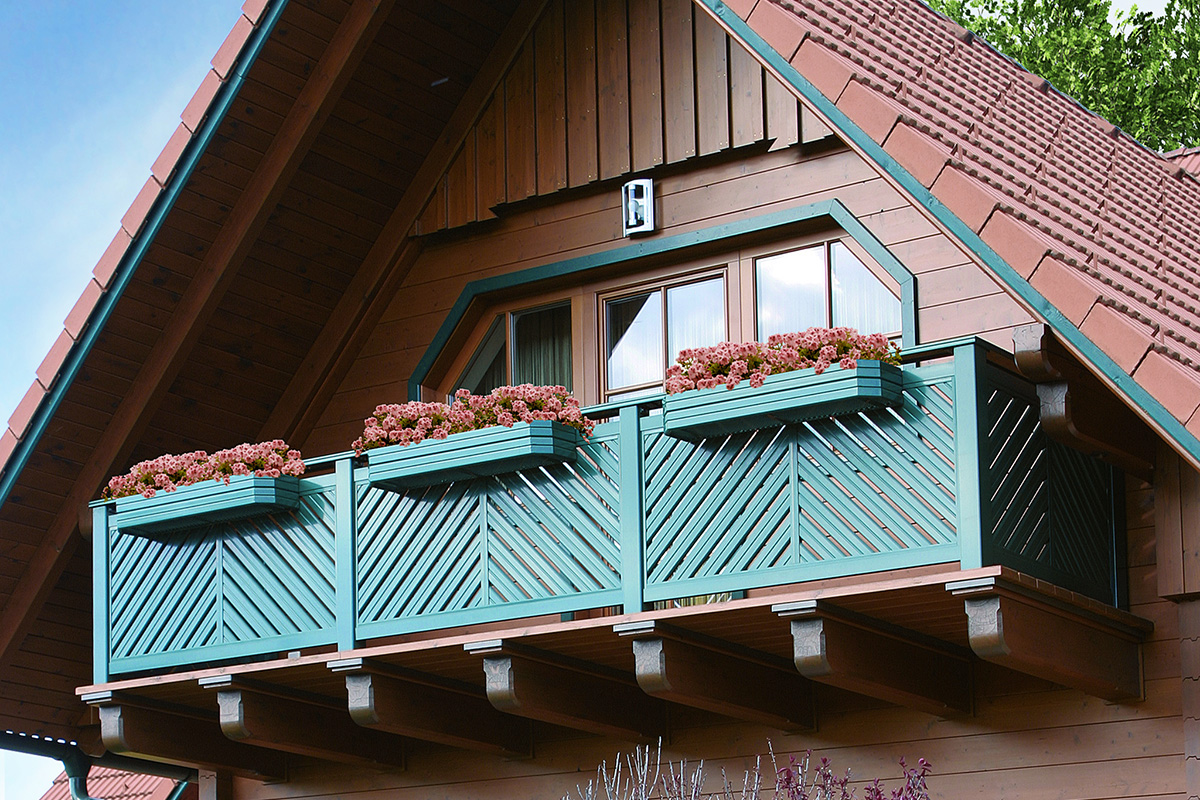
637 203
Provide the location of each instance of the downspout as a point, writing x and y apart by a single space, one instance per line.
77 766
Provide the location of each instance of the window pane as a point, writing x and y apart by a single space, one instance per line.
860 300
486 369
695 316
790 291
635 345
542 346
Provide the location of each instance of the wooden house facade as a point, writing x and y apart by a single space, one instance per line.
993 567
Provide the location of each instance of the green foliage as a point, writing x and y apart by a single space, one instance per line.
1137 70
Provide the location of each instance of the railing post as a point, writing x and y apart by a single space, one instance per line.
345 591
970 409
632 554
101 575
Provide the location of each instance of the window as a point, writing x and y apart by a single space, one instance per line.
531 346
821 285
644 332
612 336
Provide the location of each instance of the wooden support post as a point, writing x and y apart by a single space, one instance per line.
862 655
310 726
543 686
425 707
630 487
1083 645
680 667
131 726
215 785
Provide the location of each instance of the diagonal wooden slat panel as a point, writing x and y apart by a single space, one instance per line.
163 593
864 484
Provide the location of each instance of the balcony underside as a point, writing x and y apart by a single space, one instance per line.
913 637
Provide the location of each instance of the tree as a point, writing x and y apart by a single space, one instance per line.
1137 70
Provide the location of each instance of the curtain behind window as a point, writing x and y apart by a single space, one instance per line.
542 346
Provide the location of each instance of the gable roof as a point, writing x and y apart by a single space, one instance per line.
1090 230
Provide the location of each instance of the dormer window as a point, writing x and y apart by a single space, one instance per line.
821 285
613 337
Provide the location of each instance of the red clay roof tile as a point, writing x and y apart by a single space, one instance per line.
1188 158
972 201
48 370
78 316
1125 340
1071 291
228 52
1126 223
253 9
783 31
921 155
23 414
106 267
164 165
114 784
136 215
197 108
8 443
1168 381
823 69
878 113
1021 247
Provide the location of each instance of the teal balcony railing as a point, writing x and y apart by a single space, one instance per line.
958 473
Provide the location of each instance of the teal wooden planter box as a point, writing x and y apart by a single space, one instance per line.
205 503
782 399
473 454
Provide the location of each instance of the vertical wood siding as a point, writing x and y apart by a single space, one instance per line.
603 88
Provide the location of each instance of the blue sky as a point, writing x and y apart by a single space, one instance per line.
92 91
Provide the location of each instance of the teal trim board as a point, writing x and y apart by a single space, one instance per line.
137 248
728 234
1124 382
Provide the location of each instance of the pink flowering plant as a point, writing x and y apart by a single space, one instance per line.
265 459
409 423
729 363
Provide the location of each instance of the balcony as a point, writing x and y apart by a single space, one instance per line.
959 474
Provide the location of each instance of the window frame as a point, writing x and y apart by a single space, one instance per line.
681 266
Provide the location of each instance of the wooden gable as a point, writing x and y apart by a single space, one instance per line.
604 88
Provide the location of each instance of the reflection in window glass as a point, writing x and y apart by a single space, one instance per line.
790 291
635 345
859 299
541 342
486 369
695 316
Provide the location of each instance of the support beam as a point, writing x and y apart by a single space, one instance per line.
674 665
130 726
307 726
424 707
866 656
187 321
392 255
1080 644
543 686
1076 409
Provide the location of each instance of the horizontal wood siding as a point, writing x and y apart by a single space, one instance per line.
603 88
1028 740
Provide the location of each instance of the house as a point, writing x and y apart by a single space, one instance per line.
114 784
369 201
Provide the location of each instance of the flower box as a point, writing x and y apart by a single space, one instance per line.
204 503
472 454
782 399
